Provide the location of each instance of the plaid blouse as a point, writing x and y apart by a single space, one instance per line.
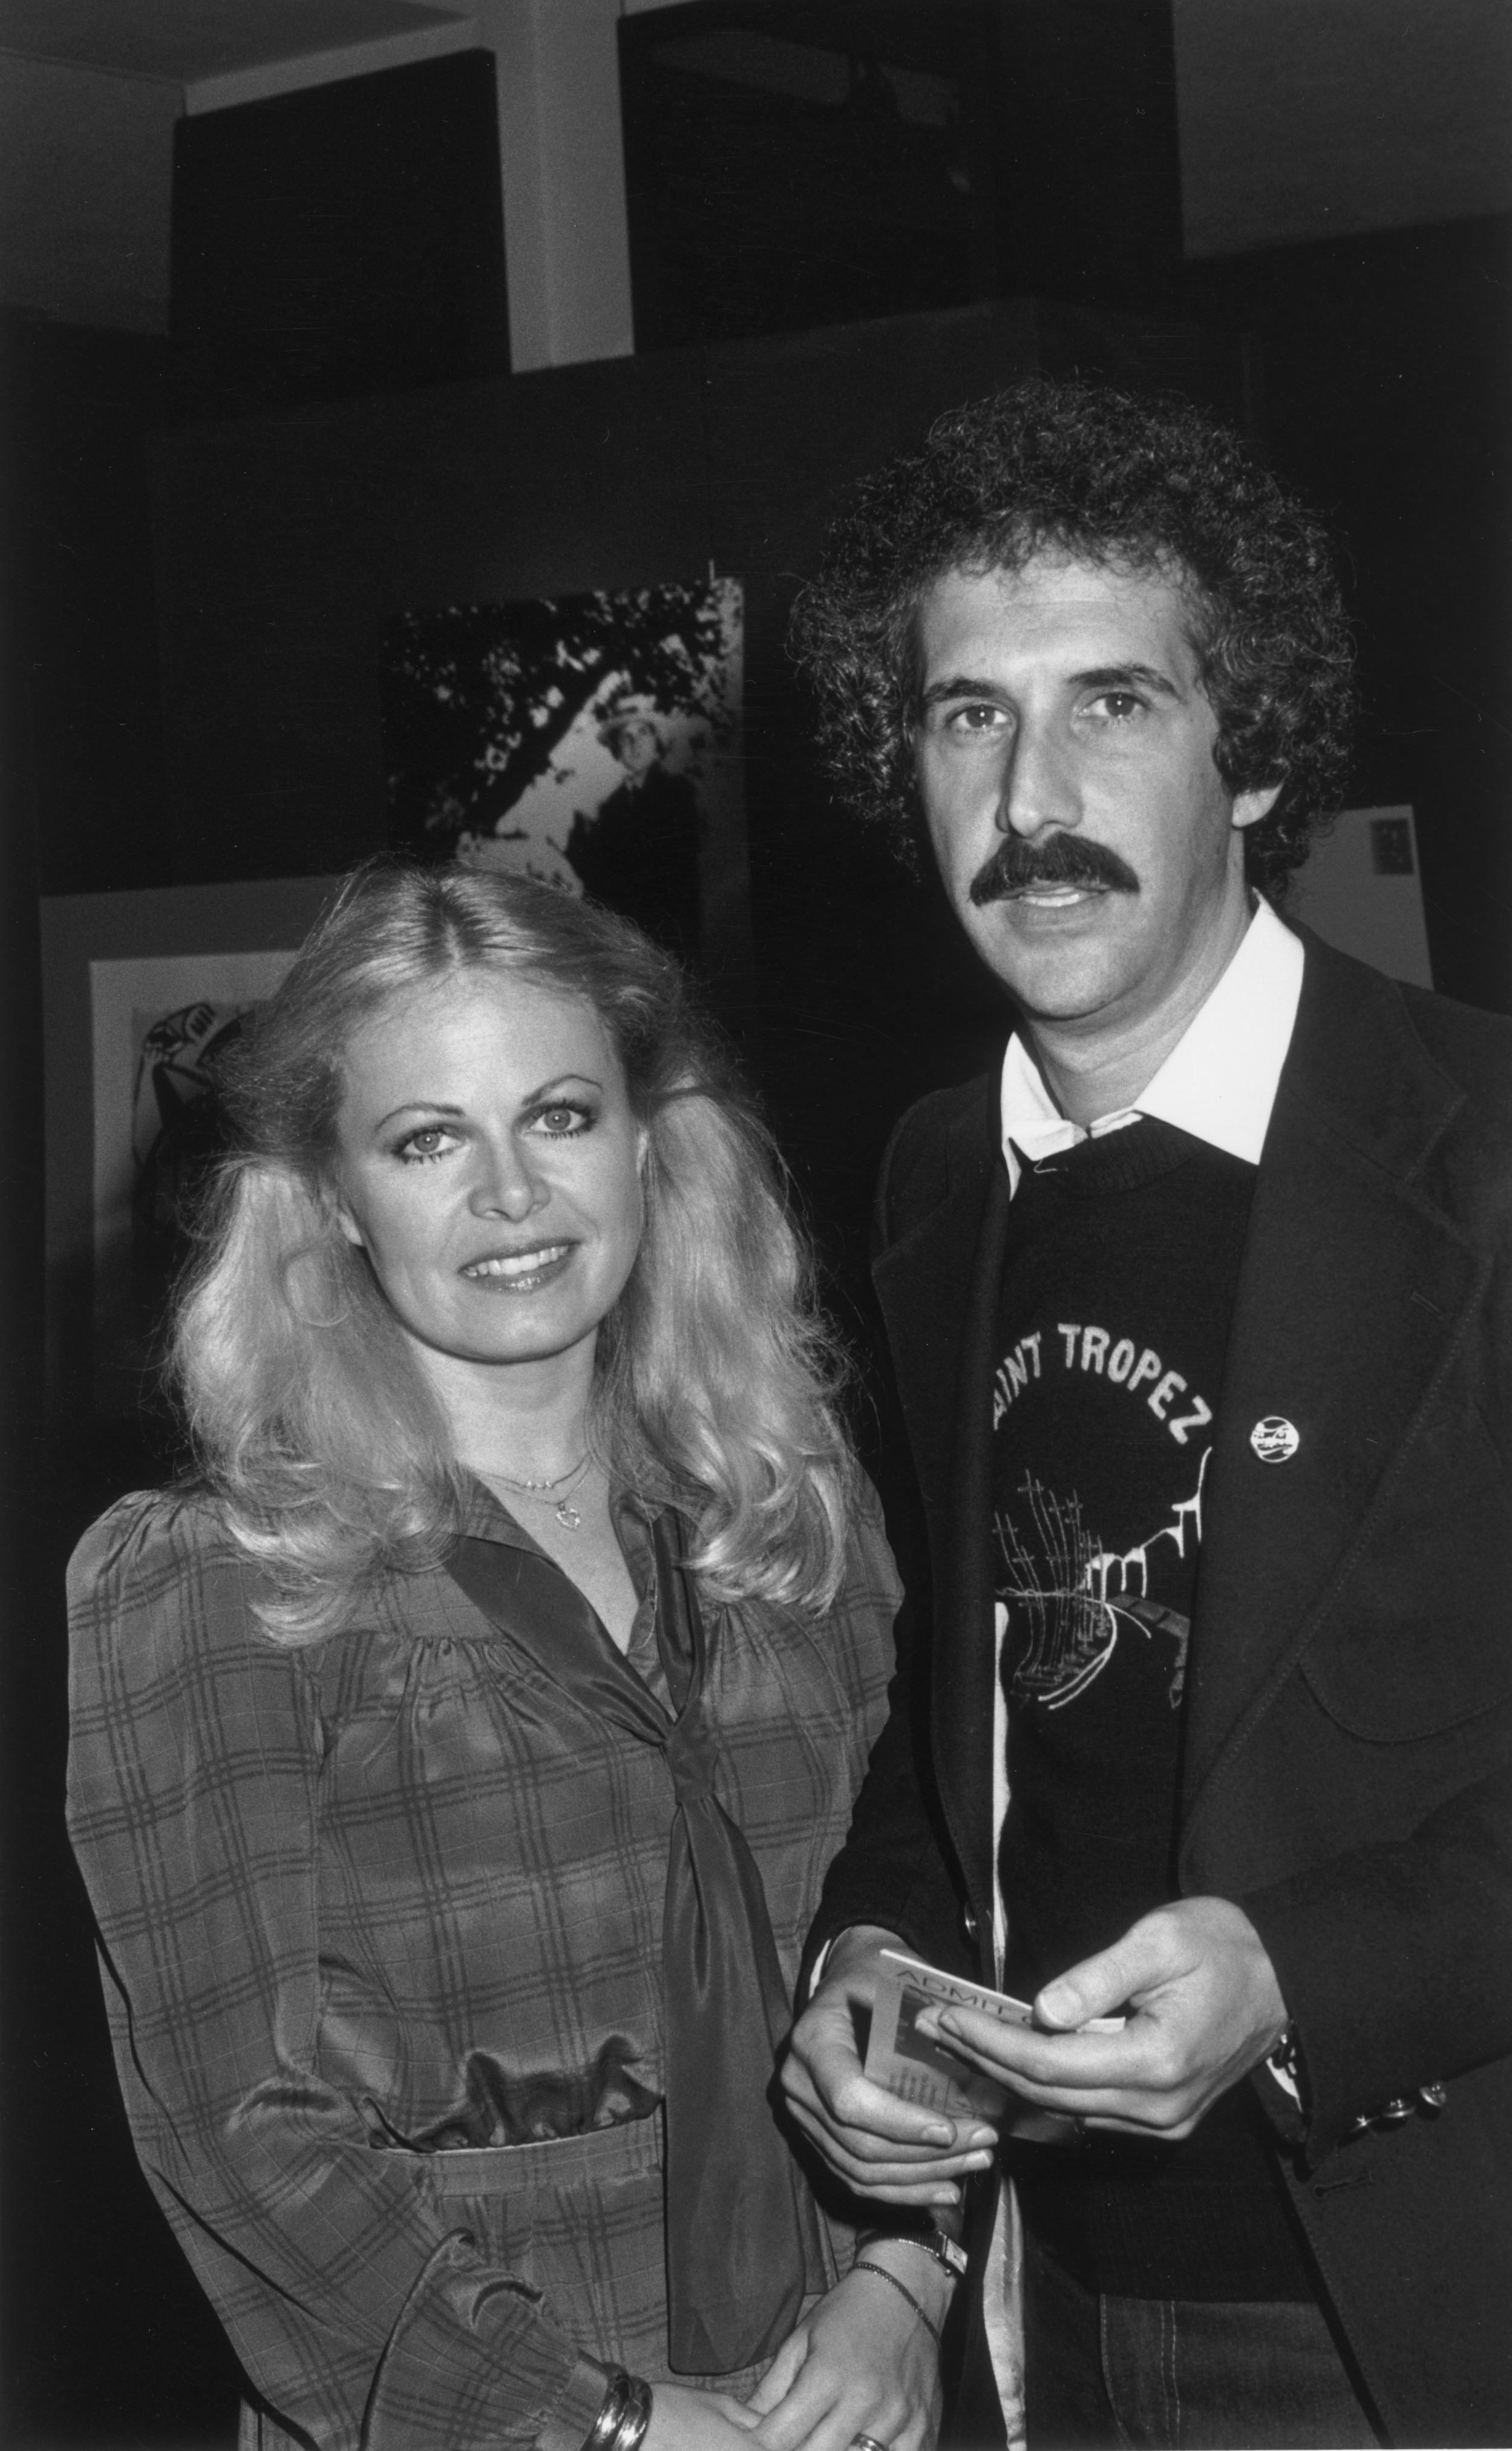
380 1926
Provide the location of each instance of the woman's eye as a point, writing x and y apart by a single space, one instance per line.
432 1140
561 1122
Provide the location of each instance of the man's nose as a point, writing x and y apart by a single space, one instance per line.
1035 789
506 1185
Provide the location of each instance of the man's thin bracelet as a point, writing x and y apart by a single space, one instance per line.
621 2422
903 2291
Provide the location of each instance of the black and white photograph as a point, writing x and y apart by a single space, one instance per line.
162 1031
145 996
756 964
593 742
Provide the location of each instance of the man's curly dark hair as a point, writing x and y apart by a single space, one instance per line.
1144 482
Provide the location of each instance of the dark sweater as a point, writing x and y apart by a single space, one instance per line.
1117 1294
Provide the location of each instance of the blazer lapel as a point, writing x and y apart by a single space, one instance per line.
1351 1299
938 1289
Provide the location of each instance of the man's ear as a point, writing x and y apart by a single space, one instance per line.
1249 806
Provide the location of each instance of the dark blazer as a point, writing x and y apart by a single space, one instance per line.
1349 1742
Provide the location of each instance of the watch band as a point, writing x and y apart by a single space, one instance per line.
932 2242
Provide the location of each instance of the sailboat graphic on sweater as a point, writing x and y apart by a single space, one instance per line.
1120 1267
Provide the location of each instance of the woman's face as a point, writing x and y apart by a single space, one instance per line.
489 1166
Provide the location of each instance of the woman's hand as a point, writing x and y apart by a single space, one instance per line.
860 2363
696 2420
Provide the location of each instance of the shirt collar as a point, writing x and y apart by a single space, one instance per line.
1218 1082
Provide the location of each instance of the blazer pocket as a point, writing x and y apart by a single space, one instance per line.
1419 1640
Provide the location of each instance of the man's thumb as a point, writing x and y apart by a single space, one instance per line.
1097 1988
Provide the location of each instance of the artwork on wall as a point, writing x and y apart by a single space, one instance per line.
592 741
162 1026
144 994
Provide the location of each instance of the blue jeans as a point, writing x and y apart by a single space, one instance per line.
1180 2374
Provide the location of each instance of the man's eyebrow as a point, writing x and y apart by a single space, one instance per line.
965 685
958 685
1120 675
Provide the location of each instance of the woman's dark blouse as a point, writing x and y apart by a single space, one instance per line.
381 1948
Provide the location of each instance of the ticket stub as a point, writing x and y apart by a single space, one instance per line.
917 2069
921 2071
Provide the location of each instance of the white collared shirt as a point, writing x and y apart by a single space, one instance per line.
1218 1082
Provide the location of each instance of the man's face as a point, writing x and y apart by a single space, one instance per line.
638 747
1065 761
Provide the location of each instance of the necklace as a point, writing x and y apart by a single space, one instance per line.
567 1516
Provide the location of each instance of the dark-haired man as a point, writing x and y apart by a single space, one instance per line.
1202 1326
639 850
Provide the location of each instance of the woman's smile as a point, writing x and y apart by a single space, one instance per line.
520 1272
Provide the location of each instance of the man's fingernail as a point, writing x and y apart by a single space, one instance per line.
939 2136
946 2196
1060 2001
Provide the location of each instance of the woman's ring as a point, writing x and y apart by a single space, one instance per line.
868 2442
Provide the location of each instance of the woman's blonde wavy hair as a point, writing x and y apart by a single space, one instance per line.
715 1378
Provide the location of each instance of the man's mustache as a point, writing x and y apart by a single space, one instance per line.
1052 859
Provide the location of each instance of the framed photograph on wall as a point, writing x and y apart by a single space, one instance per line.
143 994
592 741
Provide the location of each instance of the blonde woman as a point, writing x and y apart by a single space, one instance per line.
456 1759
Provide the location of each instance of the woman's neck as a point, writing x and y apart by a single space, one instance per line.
515 1421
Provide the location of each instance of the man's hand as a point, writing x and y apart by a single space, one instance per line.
1204 2005
877 2144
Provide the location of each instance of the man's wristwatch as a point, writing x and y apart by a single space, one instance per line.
931 2242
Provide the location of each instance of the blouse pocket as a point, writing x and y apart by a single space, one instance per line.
577 2220
483 2192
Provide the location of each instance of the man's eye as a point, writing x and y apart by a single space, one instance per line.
974 720
1119 704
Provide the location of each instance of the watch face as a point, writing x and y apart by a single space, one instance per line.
947 2250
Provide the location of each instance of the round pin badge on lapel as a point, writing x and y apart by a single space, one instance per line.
1275 1440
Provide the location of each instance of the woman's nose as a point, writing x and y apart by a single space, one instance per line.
506 1185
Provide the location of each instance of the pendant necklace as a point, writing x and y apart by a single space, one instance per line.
566 1515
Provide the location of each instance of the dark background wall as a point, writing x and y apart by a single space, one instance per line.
191 696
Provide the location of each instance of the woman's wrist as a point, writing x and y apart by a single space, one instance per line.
621 2422
602 2409
911 2266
